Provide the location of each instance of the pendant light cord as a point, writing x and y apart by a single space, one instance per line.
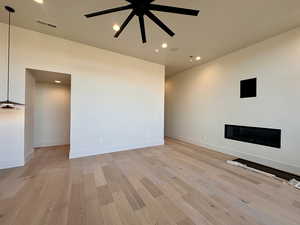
8 57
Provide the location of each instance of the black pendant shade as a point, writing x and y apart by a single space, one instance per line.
142 8
7 104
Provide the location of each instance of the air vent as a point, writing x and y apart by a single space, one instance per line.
174 49
46 24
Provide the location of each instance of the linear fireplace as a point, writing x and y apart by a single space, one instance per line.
262 136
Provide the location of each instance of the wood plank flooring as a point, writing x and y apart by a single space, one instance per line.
174 184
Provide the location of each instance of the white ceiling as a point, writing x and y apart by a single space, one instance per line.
50 77
221 27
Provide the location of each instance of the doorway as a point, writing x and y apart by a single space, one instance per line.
47 112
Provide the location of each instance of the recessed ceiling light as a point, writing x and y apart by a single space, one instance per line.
39 1
157 50
191 58
57 81
198 58
164 45
116 27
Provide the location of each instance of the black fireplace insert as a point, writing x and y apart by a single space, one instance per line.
256 135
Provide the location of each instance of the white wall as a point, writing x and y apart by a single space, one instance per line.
201 100
117 102
51 115
29 114
11 138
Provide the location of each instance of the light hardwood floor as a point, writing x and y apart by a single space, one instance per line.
174 184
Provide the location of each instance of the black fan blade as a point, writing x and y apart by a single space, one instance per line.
136 1
159 23
15 103
109 11
142 26
131 15
170 9
10 102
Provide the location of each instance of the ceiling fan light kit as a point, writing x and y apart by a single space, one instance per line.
142 8
7 104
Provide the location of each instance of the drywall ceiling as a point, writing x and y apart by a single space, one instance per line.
221 27
51 77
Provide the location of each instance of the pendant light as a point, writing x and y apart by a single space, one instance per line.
7 104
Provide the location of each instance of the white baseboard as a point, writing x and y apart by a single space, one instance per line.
44 145
254 158
8 165
84 153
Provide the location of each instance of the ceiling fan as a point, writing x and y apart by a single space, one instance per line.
141 8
